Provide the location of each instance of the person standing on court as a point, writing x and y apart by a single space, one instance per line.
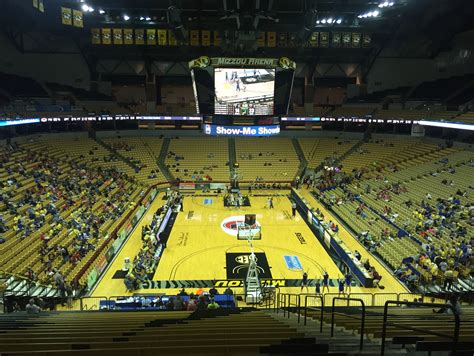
270 203
325 281
304 281
348 282
341 283
293 209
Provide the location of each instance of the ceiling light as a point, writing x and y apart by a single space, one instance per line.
323 21
330 20
318 22
91 9
142 18
126 17
339 21
375 13
148 18
101 11
85 7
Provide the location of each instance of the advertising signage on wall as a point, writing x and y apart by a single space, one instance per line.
250 131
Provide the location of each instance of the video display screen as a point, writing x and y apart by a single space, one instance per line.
248 91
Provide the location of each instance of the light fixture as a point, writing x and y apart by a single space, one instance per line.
330 20
101 11
126 17
318 22
339 21
85 7
375 13
323 21
148 18
142 18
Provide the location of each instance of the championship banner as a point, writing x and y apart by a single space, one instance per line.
324 39
162 37
35 4
206 38
217 39
41 5
313 39
261 39
194 38
66 16
367 39
118 36
106 36
346 39
356 40
172 38
128 36
139 36
151 36
271 39
77 18
204 61
336 39
95 36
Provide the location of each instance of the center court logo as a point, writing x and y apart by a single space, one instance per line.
231 225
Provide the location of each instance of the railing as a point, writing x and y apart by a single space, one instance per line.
321 309
454 337
362 318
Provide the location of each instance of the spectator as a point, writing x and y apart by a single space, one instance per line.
213 305
228 291
178 303
213 291
32 308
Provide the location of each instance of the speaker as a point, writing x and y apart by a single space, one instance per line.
250 219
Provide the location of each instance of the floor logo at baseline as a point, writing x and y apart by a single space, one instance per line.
230 225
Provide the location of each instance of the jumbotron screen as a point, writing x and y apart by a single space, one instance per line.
244 91
242 86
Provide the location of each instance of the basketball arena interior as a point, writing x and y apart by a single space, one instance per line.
236 177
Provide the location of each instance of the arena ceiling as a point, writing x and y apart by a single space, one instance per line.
400 28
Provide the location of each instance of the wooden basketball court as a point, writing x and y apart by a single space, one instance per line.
203 249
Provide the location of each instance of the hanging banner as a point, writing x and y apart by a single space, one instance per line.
95 36
324 39
282 40
172 38
162 37
128 36
206 38
77 18
346 40
41 5
106 36
66 16
139 36
356 37
367 40
194 38
35 4
118 36
271 39
151 37
261 39
217 39
336 39
313 39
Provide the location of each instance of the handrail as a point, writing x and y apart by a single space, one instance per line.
362 324
286 306
306 308
457 322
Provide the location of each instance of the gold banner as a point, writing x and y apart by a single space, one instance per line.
271 39
41 5
77 18
128 36
324 39
346 39
139 36
206 38
66 16
95 36
336 39
35 4
313 39
106 36
151 36
261 39
194 38
172 38
118 36
356 39
162 37
217 39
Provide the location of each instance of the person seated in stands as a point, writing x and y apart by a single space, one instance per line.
357 255
182 293
202 304
191 305
367 265
32 308
178 303
213 305
213 291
